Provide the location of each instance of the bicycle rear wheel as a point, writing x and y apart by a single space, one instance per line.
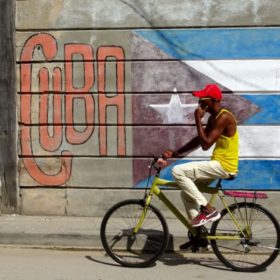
124 246
257 248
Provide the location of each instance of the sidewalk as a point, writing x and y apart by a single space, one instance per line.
64 232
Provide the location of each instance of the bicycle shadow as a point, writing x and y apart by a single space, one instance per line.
90 258
170 259
205 259
174 258
111 262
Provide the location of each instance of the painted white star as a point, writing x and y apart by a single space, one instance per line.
174 111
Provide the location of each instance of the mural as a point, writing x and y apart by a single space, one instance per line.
84 107
63 122
245 63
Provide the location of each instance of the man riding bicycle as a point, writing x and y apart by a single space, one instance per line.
221 129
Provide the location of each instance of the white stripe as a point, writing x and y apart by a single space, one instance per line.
241 75
254 141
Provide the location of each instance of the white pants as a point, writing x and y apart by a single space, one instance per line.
190 176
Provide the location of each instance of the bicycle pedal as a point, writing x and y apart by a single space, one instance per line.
186 245
195 249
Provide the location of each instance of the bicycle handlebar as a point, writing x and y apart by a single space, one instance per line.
154 164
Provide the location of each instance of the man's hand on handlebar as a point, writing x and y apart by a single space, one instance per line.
162 162
168 154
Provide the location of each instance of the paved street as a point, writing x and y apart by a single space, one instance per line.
45 264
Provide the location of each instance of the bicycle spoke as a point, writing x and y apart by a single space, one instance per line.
133 249
257 248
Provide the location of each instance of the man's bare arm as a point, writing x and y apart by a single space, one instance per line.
210 135
188 147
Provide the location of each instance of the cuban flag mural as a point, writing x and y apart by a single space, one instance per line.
244 62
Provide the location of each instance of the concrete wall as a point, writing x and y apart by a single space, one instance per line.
103 84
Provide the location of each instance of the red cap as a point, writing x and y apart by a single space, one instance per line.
211 91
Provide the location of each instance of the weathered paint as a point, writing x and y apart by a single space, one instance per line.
64 14
99 91
254 175
218 43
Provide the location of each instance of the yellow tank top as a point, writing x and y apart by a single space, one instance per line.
226 150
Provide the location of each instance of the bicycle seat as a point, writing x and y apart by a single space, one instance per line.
231 177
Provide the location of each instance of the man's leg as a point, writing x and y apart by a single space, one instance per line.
191 206
185 175
201 172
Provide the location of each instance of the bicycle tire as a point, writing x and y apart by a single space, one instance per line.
128 249
261 245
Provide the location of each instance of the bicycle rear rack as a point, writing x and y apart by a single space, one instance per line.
242 194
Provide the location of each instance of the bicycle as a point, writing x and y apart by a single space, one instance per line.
246 238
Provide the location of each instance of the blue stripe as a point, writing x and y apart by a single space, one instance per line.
222 43
269 109
253 175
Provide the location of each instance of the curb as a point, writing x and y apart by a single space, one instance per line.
64 232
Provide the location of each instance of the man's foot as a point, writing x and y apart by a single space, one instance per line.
196 242
186 245
194 245
207 214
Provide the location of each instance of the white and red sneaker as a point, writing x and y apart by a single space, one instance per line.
206 215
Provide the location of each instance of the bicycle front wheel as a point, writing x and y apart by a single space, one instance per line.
254 246
134 249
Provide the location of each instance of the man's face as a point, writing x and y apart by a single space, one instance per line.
205 103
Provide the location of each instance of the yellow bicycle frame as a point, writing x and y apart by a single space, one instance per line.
215 192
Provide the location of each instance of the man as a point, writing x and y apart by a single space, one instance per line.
221 129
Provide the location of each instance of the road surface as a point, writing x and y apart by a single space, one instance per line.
44 264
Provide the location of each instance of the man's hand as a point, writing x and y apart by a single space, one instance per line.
167 154
199 113
162 162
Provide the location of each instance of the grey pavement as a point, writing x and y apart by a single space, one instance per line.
64 231
34 264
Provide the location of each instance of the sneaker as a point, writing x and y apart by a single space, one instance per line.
195 245
186 245
206 216
196 242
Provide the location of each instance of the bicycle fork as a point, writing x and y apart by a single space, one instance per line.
146 202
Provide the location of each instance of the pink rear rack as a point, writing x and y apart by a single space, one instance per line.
246 194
